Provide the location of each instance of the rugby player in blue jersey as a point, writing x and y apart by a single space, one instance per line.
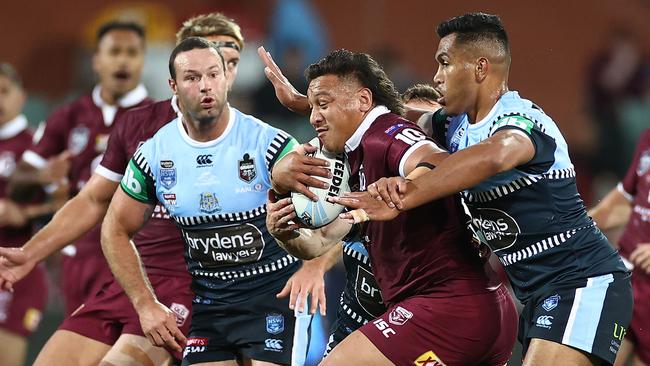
511 163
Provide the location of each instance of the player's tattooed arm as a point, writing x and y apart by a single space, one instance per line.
300 242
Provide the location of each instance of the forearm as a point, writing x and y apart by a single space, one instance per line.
126 265
612 212
308 244
326 261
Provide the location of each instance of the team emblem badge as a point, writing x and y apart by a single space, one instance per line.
209 204
551 302
78 139
399 316
168 177
7 163
247 171
274 323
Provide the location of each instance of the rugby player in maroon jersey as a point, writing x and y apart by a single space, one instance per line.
432 280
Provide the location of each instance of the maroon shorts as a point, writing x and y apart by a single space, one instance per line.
83 276
462 330
639 329
21 311
110 314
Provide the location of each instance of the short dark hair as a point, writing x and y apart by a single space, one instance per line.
474 27
189 44
119 25
420 91
367 71
10 73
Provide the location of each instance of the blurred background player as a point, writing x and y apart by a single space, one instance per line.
628 205
422 97
21 309
76 136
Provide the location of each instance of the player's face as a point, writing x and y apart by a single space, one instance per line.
201 83
230 55
337 109
455 77
12 99
119 60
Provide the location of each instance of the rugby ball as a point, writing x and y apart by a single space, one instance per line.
320 213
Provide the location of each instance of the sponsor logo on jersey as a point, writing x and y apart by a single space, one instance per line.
544 321
384 327
206 179
181 312
367 292
428 358
644 163
32 319
204 161
551 302
274 345
78 139
399 316
168 177
7 163
101 142
226 245
166 164
619 332
499 229
390 131
209 203
274 323
247 170
454 143
195 345
170 198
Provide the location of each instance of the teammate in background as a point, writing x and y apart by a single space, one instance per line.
75 136
511 163
431 277
628 205
109 318
237 268
20 310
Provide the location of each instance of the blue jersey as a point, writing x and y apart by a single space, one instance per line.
216 193
532 217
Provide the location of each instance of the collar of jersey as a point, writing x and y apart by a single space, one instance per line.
135 96
492 112
13 127
355 140
191 142
175 107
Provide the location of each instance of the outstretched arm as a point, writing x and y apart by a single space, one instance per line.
613 211
124 218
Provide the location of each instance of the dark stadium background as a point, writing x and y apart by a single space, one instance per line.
559 51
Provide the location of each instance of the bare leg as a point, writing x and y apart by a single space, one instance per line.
72 349
13 348
546 353
356 349
135 350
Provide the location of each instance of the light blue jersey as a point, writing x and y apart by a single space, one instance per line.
216 193
532 217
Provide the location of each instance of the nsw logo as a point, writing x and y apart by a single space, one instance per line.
204 160
551 302
168 177
544 321
274 323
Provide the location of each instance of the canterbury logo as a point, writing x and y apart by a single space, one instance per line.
273 344
204 159
545 320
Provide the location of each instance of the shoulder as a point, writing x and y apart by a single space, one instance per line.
158 113
253 126
79 105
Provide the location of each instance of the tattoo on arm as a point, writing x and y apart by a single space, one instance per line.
147 214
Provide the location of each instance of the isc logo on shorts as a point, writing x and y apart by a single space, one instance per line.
428 359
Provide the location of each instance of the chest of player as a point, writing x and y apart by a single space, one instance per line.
211 181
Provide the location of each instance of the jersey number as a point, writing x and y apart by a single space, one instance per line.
410 136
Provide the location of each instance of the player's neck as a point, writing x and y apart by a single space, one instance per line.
485 102
206 130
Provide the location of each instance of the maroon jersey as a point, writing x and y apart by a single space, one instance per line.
425 251
636 187
15 137
82 128
159 241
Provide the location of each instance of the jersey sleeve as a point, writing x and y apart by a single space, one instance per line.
116 158
138 181
629 184
280 145
404 140
543 143
52 141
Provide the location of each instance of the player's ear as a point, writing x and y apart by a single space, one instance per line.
172 84
481 69
365 99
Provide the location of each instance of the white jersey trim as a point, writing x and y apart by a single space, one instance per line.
34 159
194 143
108 174
625 194
409 152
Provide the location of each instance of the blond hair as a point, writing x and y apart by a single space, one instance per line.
213 24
